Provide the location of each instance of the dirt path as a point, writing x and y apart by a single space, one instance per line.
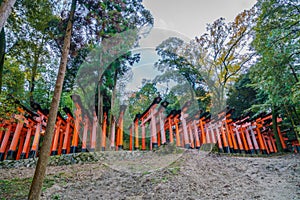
191 175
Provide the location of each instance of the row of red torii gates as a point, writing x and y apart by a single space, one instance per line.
22 134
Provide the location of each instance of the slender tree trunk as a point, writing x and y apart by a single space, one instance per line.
297 118
2 55
294 73
5 10
34 71
112 102
39 175
290 116
274 122
100 102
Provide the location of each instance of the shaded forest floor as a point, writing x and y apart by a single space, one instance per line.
187 175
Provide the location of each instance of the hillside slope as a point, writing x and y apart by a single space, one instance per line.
187 175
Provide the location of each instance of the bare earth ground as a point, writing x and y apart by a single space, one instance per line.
190 175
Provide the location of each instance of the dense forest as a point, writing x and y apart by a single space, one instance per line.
250 64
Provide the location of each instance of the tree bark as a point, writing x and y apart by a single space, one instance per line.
274 124
100 102
5 10
34 71
2 56
39 175
112 103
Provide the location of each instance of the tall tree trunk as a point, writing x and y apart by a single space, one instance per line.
112 102
274 122
100 102
2 55
294 73
5 10
290 116
34 71
39 175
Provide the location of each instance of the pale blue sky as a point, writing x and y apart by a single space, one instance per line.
181 18
189 17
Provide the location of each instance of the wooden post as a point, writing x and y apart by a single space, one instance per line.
260 138
228 135
208 140
238 138
249 142
65 146
219 140
121 129
187 143
76 128
27 142
113 134
103 139
176 120
162 128
37 134
94 133
13 146
212 134
244 140
229 129
256 146
136 133
170 130
5 142
196 135
273 142
54 150
284 147
161 110
131 137
143 137
150 115
203 134
224 138
153 129
61 140
191 136
269 143
20 147
85 133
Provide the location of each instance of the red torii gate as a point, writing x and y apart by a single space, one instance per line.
58 134
150 116
78 119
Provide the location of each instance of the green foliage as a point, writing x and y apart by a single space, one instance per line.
176 68
276 72
13 78
242 96
173 101
29 42
222 54
12 86
142 99
7 106
35 33
18 188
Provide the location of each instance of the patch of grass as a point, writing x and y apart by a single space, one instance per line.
15 188
55 197
146 172
164 179
176 163
252 155
174 170
18 188
48 182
